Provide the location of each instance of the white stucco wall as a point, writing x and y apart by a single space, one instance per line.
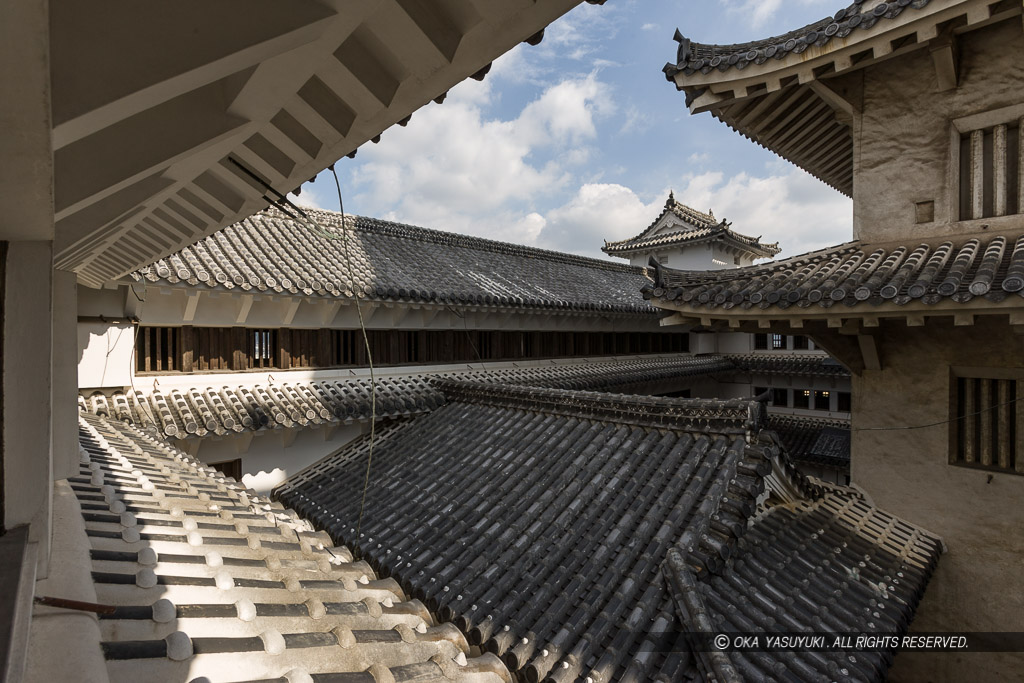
902 140
105 354
269 457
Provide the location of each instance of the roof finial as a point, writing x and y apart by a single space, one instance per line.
671 198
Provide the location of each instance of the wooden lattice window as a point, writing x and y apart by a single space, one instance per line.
987 424
158 349
990 171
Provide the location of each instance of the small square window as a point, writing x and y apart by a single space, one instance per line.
778 341
760 342
924 212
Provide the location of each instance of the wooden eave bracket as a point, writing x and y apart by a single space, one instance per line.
869 351
842 107
946 59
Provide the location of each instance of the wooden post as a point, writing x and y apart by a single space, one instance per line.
187 348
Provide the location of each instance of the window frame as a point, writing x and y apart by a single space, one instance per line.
967 124
954 456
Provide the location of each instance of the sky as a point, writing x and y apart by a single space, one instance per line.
580 139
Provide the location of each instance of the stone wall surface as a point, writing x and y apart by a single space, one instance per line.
978 586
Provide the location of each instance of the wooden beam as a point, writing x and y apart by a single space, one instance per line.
330 310
869 351
190 307
915 320
842 107
675 319
293 308
243 309
946 59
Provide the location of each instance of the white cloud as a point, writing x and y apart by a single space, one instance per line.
310 197
452 168
648 27
598 212
789 207
636 120
698 157
755 14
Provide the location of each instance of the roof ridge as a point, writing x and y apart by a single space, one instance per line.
675 206
389 227
693 57
730 416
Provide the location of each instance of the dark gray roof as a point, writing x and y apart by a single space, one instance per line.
817 441
835 564
704 229
539 520
989 267
208 579
793 364
270 252
203 410
699 57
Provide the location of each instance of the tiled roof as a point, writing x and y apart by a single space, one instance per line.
985 269
539 520
698 57
793 364
836 564
200 411
211 583
704 228
814 440
270 252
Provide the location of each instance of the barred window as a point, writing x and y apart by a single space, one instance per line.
990 171
229 349
987 424
157 349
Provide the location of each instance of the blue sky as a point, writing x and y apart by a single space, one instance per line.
580 139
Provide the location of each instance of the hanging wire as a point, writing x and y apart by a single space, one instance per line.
941 422
131 373
469 338
287 207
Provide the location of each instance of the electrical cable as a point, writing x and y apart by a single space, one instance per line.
469 338
284 204
131 375
936 424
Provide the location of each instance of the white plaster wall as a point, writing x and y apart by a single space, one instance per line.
105 354
64 398
979 585
171 306
270 457
735 342
703 342
27 437
902 139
